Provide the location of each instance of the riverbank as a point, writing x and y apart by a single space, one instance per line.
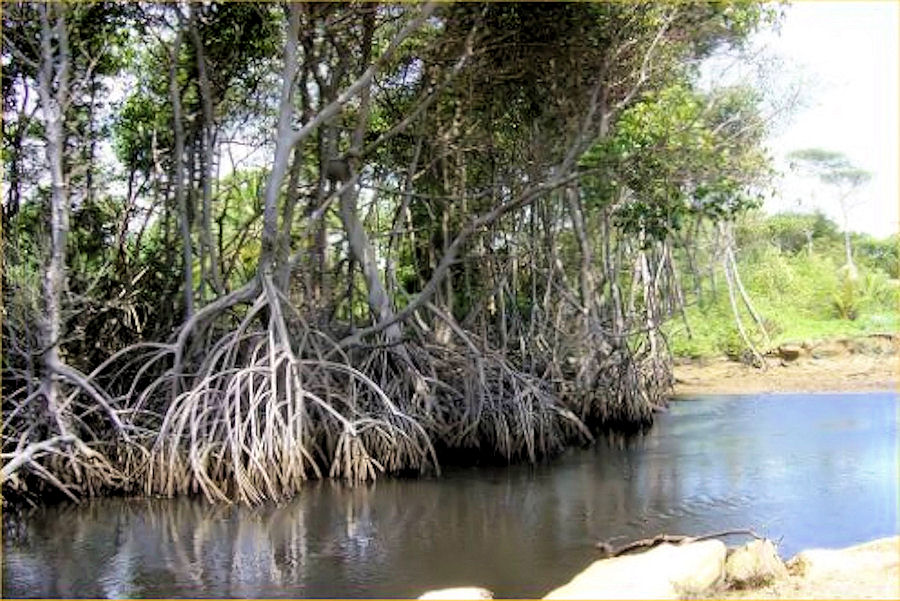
708 570
852 365
867 571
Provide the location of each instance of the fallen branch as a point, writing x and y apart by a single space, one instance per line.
607 550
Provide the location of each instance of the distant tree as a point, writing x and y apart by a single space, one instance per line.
836 170
793 232
882 253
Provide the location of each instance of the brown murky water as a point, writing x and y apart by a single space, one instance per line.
808 470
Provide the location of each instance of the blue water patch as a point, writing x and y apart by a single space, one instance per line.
807 470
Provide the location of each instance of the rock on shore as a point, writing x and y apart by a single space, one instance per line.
867 571
459 592
753 565
664 572
754 571
707 569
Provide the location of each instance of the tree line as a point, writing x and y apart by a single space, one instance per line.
249 244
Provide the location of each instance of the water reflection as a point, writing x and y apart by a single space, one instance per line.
810 470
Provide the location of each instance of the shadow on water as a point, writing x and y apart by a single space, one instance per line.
810 470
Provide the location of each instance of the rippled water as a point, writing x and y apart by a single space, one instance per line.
808 470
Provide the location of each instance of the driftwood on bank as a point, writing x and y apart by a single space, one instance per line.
607 550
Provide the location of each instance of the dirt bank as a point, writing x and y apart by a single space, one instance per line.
860 364
867 571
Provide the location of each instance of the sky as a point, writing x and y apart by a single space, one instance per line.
846 53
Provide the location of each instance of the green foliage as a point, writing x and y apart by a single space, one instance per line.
847 299
484 146
801 296
871 292
833 169
788 232
142 126
678 152
240 224
830 167
818 159
877 254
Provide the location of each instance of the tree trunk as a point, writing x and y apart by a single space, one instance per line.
849 251
91 145
360 246
207 156
178 177
364 253
283 247
852 272
54 70
587 256
284 143
14 194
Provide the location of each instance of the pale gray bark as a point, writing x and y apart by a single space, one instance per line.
178 176
284 144
732 279
440 271
53 91
207 156
852 272
587 256
32 452
736 276
287 137
283 246
364 253
360 245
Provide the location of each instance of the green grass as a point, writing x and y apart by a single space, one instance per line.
800 298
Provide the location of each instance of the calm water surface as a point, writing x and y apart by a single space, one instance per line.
808 470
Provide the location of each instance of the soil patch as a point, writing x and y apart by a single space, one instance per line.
862 364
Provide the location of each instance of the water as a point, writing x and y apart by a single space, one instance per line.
808 470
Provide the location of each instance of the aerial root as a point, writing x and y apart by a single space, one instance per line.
269 408
620 386
65 462
249 401
77 446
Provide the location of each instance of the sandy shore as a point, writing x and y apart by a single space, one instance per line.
867 571
865 364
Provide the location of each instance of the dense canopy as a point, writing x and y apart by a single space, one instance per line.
249 244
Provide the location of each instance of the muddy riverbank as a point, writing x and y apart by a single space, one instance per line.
848 365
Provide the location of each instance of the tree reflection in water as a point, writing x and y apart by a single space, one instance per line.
709 465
